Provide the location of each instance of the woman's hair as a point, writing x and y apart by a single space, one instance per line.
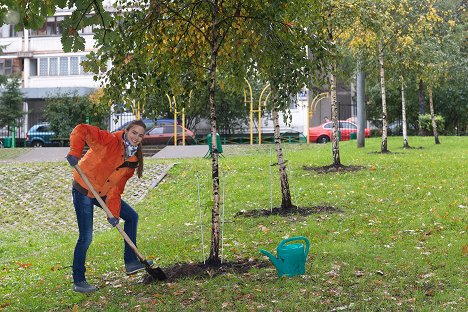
139 152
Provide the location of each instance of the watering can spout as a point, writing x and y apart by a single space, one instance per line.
272 258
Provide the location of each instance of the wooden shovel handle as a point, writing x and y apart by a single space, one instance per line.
109 213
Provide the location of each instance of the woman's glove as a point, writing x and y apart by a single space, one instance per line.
113 221
72 160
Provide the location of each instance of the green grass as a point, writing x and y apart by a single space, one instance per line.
400 243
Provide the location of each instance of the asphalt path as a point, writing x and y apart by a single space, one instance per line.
43 154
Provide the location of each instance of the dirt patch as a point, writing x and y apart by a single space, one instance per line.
200 270
277 211
333 168
412 147
392 153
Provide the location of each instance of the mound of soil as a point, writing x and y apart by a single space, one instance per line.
277 211
201 270
333 168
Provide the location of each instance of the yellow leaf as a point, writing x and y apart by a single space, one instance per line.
465 249
24 265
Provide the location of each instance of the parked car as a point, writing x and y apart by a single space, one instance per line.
40 135
324 132
150 123
164 135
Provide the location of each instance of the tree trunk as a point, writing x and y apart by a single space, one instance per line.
421 103
334 117
361 107
215 224
285 192
434 125
383 148
403 115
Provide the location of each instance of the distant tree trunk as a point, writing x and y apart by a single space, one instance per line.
434 124
403 115
215 228
421 103
361 107
384 148
334 116
285 191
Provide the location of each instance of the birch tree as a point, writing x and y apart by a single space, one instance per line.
333 27
280 58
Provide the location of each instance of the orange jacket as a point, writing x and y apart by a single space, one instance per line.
101 162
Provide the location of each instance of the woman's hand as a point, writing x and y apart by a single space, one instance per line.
113 221
72 160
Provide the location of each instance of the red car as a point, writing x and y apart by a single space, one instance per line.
324 132
164 135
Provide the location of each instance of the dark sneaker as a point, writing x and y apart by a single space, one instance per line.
84 287
136 266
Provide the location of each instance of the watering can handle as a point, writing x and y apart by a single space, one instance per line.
295 239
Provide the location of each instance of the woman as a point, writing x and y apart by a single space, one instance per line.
110 161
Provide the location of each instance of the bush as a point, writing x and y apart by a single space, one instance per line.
65 111
425 123
11 103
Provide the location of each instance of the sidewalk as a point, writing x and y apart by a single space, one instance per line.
42 154
188 151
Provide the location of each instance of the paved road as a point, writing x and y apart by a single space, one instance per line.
42 154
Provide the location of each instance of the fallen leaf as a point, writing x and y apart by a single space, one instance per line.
24 265
4 305
465 249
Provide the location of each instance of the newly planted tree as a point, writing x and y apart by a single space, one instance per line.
334 26
279 57
182 46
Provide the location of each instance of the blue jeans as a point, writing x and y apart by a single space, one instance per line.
84 208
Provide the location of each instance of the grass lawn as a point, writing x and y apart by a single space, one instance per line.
399 244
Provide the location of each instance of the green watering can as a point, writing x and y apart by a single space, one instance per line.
291 257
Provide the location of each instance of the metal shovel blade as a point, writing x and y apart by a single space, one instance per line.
155 273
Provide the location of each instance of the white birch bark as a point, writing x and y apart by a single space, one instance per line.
384 148
434 124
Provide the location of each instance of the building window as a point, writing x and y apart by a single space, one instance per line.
53 27
59 20
8 31
64 66
6 67
14 33
60 66
53 66
33 67
39 32
43 66
74 66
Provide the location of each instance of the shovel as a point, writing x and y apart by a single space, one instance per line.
155 273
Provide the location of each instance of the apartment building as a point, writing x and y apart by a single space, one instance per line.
45 69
